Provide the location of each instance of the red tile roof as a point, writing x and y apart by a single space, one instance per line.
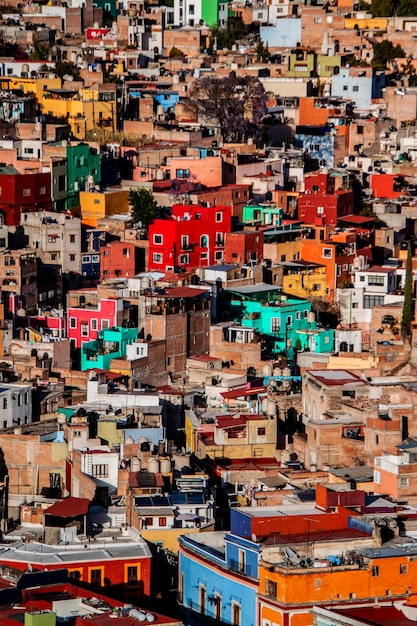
70 507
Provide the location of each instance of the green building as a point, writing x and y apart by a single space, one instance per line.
83 167
110 344
264 214
281 323
109 8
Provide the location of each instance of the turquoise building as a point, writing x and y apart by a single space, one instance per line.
282 323
110 344
265 214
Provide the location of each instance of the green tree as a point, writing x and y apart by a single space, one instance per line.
143 207
40 51
175 53
409 70
227 37
408 308
384 52
262 51
63 68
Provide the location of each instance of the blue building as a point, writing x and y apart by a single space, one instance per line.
286 33
90 261
359 84
218 579
318 141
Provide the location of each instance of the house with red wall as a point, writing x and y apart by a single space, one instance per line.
194 236
321 203
244 247
118 558
386 185
23 192
85 320
118 260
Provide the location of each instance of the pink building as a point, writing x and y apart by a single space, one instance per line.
86 320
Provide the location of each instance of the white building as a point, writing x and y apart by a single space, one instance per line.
15 405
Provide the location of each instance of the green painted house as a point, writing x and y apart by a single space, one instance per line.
84 169
264 214
110 344
281 323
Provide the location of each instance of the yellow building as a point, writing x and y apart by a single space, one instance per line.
96 205
36 85
366 23
282 251
304 279
85 110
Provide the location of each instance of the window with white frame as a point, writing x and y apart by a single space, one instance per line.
157 257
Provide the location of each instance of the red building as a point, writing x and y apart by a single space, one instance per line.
86 320
193 237
118 260
23 192
321 203
387 185
244 247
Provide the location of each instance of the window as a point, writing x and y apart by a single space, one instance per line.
403 482
4 403
345 87
54 256
184 259
157 257
185 241
348 393
132 574
86 259
370 301
204 256
182 173
261 431
148 521
204 241
157 239
219 216
95 577
26 192
202 600
191 9
100 470
355 88
289 321
327 253
320 210
375 570
359 130
218 256
235 614
126 252
94 324
217 607
403 568
73 322
72 257
375 280
84 330
270 588
52 238
162 521
377 477
298 315
72 238
275 324
104 324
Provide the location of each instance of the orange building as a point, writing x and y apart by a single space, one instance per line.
335 250
287 591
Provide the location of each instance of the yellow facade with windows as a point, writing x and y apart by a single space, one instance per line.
96 205
306 284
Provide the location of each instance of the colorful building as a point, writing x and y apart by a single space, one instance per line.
280 323
193 237
119 259
110 344
321 203
85 321
98 204
23 192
